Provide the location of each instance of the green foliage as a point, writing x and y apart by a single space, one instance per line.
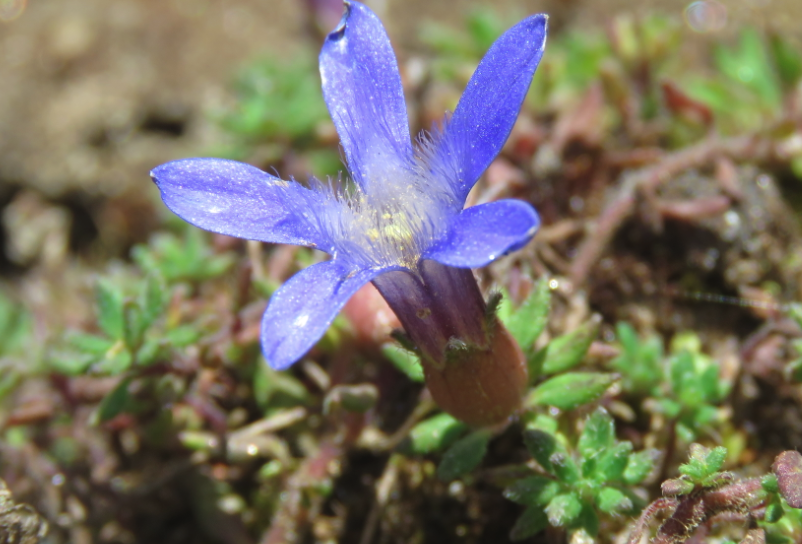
176 258
527 322
750 79
125 338
435 434
404 360
16 328
580 482
684 386
570 390
568 350
277 99
464 455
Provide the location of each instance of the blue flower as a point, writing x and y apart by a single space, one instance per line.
402 225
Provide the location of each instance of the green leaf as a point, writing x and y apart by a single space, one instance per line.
613 462
640 361
527 322
110 317
435 434
532 490
114 403
149 352
405 361
612 501
273 389
570 390
568 350
90 343
564 509
529 523
749 65
182 336
541 446
786 58
135 324
152 299
703 462
639 465
464 456
587 520
16 325
71 364
598 434
116 361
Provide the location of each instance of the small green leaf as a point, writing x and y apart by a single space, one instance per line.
769 483
613 462
152 299
568 350
639 465
774 512
598 434
148 353
135 324
587 520
435 434
117 360
182 336
110 310
541 446
531 521
611 501
71 364
564 509
532 490
464 456
570 390
527 322
114 403
405 361
90 343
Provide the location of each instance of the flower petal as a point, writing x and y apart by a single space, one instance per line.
489 106
482 234
240 200
302 309
363 91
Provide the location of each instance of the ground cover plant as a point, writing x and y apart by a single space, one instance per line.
654 310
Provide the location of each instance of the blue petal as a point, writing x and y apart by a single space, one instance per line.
240 200
303 308
481 234
489 106
363 92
